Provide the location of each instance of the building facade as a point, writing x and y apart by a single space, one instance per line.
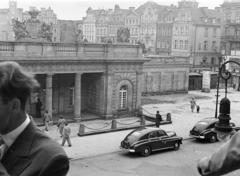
165 30
196 34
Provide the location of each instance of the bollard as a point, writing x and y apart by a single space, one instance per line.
114 124
81 129
143 121
169 117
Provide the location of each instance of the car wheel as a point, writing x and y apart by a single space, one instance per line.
176 145
146 151
212 138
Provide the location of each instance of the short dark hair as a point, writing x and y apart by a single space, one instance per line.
15 83
157 111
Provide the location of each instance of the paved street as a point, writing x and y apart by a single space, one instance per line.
165 163
182 117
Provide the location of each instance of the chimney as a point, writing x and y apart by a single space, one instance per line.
132 8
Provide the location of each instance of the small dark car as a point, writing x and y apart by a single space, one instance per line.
145 140
204 129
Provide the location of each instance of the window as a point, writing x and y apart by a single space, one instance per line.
182 31
158 44
136 31
160 31
71 92
226 30
187 31
175 44
142 30
163 31
199 46
176 31
163 44
214 32
123 97
181 44
186 45
213 45
206 32
205 59
152 30
205 45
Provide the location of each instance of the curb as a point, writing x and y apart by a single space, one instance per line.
119 129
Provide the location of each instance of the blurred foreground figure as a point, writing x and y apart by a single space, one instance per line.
25 149
224 160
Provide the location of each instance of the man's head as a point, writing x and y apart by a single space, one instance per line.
61 116
15 88
38 99
157 112
46 111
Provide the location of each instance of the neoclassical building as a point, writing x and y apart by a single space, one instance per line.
104 79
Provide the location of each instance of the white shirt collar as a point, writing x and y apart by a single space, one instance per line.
10 137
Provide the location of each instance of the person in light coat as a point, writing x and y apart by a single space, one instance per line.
66 135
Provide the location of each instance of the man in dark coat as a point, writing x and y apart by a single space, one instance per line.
158 119
38 108
25 149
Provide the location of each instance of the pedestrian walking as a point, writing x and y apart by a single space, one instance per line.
198 108
38 108
158 119
66 135
46 120
193 104
61 124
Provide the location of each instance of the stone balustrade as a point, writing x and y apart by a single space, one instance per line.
80 50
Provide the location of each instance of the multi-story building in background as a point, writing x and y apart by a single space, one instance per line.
164 30
132 22
148 24
6 16
116 20
230 34
196 33
102 26
89 25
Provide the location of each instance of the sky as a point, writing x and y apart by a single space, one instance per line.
76 9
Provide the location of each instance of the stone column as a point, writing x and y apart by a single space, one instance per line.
49 94
77 97
108 95
139 91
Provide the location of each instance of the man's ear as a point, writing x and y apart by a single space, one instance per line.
16 105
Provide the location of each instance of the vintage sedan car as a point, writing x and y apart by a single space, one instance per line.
145 140
204 129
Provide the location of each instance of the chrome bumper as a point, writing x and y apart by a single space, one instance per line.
200 137
129 150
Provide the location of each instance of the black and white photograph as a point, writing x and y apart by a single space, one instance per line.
119 88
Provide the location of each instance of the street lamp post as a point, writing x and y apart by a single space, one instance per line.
218 80
222 127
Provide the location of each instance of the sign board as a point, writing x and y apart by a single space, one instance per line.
33 98
206 81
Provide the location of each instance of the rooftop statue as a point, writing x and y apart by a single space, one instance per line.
78 36
123 34
32 29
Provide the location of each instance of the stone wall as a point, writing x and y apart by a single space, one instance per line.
165 75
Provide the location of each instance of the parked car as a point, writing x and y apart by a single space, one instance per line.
204 129
145 140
